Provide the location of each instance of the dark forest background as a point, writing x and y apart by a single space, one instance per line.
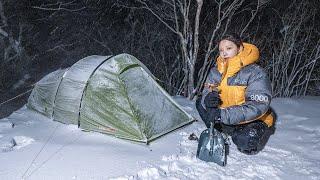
175 39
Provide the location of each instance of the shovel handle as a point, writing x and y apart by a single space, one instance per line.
211 87
211 137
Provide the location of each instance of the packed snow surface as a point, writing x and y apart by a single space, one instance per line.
35 147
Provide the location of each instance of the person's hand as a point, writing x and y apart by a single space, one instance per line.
214 115
208 115
212 100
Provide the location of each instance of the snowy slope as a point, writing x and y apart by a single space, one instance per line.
34 147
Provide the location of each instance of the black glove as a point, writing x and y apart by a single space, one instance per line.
214 115
208 115
212 100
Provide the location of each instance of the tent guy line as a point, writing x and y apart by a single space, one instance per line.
42 148
19 95
56 152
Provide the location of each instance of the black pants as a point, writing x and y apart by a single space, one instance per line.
249 138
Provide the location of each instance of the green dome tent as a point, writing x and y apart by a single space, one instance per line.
114 95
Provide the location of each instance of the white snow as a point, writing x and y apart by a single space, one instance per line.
34 147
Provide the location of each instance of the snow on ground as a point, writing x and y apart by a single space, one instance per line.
34 147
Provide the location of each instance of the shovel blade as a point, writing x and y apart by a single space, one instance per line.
212 149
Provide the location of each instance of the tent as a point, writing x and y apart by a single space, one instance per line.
115 95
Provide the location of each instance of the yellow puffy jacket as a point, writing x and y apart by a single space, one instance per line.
244 87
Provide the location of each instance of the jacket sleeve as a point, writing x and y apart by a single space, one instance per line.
210 79
257 100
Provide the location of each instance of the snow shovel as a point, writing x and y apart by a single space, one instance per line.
211 147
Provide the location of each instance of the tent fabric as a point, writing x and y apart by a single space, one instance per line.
115 95
43 94
67 101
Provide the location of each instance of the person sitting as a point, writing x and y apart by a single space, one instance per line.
237 96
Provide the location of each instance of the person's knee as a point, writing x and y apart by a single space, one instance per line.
246 143
248 138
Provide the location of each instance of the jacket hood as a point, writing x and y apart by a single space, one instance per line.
249 55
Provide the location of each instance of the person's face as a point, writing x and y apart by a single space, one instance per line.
228 49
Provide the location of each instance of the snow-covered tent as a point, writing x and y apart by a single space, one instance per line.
115 95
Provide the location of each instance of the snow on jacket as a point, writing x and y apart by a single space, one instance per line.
244 88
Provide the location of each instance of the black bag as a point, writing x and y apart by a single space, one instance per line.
212 147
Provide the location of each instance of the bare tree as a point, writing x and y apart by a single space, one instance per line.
14 45
177 16
13 57
69 6
296 55
183 18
